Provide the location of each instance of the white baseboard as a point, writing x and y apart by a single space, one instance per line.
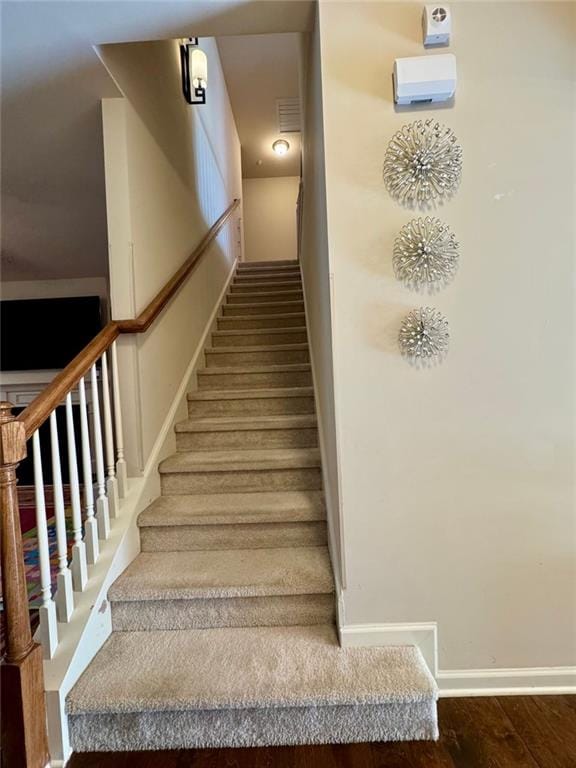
423 635
529 681
333 506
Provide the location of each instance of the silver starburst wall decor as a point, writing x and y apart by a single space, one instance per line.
425 253
424 334
423 161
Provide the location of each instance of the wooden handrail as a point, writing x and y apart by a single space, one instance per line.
42 406
23 727
159 302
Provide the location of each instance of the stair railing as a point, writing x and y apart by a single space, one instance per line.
95 371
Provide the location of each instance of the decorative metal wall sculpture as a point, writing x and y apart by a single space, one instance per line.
423 161
425 253
424 334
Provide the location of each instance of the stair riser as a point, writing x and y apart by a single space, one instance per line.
265 406
249 480
263 297
274 611
248 323
268 271
264 357
255 380
267 268
259 339
266 726
294 307
285 277
243 438
186 538
286 287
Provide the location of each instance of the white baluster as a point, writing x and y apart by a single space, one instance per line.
47 613
64 596
90 525
121 470
111 483
79 566
102 509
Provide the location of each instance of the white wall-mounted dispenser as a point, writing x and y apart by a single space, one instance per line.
436 25
425 79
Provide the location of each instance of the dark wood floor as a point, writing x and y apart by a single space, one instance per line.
510 732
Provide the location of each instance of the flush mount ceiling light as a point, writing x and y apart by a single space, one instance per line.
194 71
281 146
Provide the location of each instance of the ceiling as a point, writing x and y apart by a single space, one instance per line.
259 69
53 198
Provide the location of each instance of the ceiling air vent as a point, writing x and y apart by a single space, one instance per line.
288 111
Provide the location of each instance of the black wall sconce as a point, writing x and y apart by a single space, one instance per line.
194 64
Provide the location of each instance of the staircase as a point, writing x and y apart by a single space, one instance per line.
223 627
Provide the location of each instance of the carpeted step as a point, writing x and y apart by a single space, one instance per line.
259 337
233 521
265 297
261 321
270 287
261 308
247 687
285 277
276 401
279 469
257 266
271 354
245 432
224 588
250 377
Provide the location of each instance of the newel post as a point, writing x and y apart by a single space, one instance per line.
24 739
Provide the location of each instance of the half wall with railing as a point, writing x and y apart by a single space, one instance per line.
89 442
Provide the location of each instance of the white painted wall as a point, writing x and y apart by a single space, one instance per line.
458 481
316 278
270 218
172 170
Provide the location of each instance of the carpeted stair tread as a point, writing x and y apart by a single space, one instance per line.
256 368
263 316
261 331
272 285
254 266
245 423
250 394
287 304
263 348
282 294
249 667
224 574
234 509
230 460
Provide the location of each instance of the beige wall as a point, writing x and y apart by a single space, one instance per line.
172 170
270 218
458 481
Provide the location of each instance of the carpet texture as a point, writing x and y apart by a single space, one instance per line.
223 627
225 573
246 668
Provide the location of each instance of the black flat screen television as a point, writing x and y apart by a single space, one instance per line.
38 334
